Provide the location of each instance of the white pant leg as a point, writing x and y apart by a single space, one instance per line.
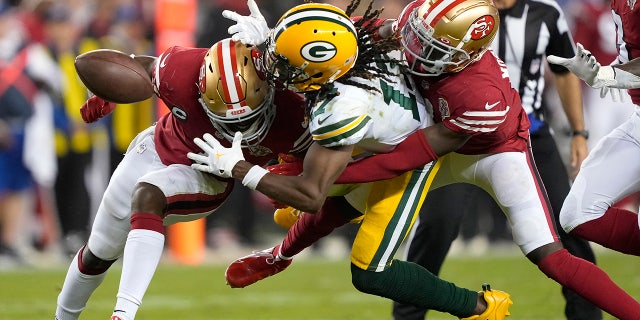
190 194
608 174
110 228
508 178
112 224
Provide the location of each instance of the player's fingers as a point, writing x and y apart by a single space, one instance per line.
213 142
615 95
580 49
288 158
253 8
203 145
201 167
237 139
197 157
86 114
232 15
557 60
603 92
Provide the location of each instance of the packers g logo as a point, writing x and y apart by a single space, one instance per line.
318 51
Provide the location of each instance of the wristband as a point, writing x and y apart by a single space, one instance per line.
253 177
583 133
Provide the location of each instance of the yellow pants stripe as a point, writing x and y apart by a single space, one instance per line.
392 208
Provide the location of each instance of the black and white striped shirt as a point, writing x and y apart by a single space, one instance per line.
529 31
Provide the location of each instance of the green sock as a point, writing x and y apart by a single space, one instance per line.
407 282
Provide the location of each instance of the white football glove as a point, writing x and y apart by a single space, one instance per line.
585 66
616 94
251 29
217 159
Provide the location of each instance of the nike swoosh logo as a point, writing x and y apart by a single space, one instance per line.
488 106
321 121
164 60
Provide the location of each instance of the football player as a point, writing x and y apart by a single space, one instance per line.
442 214
372 108
496 156
610 172
481 134
219 90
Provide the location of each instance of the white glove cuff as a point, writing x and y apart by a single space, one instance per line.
626 80
253 177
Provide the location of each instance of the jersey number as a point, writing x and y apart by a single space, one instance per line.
407 102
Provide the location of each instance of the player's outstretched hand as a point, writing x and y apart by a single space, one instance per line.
251 29
217 159
586 67
95 108
288 165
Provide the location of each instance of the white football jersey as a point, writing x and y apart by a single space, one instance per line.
373 121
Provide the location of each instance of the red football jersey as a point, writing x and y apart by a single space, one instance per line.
626 16
176 83
479 101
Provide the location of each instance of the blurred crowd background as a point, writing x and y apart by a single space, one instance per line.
54 167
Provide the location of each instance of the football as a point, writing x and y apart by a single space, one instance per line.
114 76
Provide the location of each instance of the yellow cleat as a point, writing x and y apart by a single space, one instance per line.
286 217
498 303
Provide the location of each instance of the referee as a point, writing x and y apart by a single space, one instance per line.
529 31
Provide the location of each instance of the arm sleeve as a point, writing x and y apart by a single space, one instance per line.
412 153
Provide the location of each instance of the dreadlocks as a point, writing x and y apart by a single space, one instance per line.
372 53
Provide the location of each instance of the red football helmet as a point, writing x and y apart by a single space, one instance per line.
444 36
233 94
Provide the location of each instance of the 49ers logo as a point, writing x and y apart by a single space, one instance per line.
257 57
318 51
238 112
482 27
202 78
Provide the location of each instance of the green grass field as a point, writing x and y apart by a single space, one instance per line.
309 289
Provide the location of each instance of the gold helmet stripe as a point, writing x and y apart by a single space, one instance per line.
314 14
439 9
228 67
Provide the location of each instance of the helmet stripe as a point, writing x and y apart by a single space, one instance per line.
314 14
439 9
228 66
